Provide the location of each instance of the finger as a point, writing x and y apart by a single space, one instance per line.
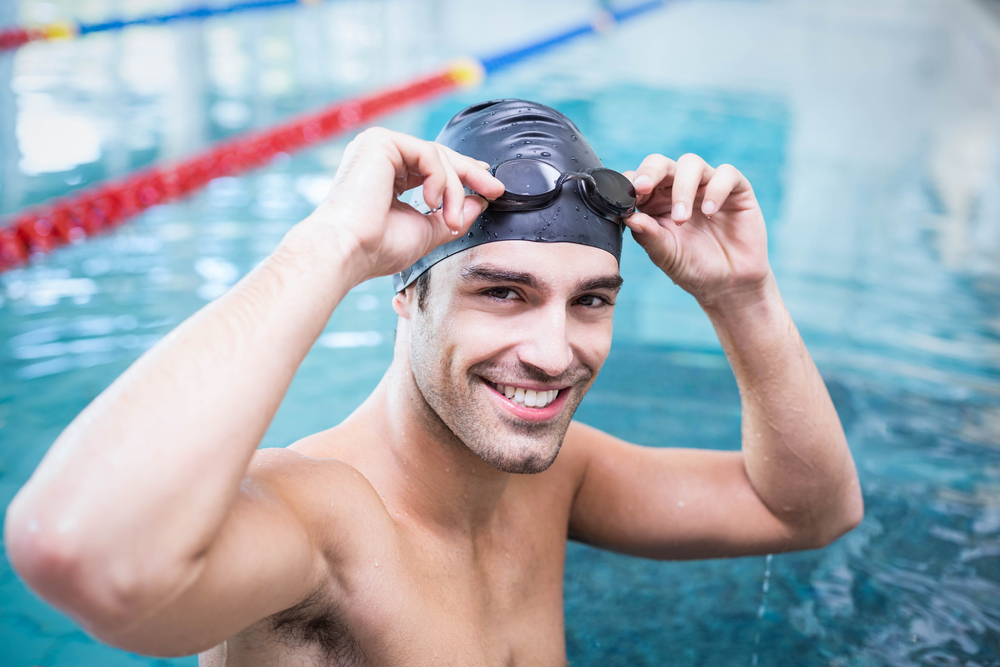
654 171
472 208
657 241
640 223
454 194
475 174
418 160
692 173
724 182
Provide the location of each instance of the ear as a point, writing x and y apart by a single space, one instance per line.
403 301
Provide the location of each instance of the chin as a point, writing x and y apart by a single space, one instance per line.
520 458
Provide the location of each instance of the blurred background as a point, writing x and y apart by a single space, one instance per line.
870 130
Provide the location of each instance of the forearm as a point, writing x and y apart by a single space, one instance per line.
143 478
795 452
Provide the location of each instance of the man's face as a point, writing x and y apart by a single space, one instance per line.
509 340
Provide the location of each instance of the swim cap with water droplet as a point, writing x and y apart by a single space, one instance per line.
497 131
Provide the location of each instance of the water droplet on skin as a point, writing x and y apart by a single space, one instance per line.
573 137
518 155
577 208
470 235
546 154
376 563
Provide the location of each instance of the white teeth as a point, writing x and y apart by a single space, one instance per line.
527 397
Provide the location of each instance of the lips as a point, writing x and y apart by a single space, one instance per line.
548 403
530 398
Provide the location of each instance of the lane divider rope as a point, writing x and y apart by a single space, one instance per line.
17 36
106 205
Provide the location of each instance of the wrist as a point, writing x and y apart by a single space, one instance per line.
320 249
746 303
746 295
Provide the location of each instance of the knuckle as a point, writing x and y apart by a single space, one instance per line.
374 133
689 158
658 160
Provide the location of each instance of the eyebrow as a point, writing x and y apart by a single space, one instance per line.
612 283
494 274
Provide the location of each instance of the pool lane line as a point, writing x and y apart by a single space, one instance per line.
17 36
104 206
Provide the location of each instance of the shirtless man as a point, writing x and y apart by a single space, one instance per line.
430 527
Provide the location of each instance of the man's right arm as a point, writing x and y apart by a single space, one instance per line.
143 508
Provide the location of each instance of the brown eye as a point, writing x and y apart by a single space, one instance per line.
502 293
593 301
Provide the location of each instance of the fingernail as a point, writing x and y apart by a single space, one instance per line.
708 208
678 211
486 165
641 180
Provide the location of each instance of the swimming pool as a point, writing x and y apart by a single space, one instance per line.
872 136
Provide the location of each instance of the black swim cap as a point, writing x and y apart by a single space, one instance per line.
503 130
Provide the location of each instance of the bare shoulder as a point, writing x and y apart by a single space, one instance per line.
581 444
584 442
331 498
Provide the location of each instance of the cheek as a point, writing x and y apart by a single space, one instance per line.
592 342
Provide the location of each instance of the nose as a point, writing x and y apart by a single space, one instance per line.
546 345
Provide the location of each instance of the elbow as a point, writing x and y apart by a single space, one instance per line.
61 569
43 559
848 516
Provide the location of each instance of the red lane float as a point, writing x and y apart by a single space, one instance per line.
103 207
18 36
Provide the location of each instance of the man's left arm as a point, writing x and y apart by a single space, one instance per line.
794 484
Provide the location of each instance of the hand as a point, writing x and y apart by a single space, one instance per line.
701 225
384 234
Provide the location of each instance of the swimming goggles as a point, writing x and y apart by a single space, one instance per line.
533 184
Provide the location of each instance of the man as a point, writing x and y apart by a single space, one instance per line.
430 527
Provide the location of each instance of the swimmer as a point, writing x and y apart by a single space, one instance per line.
430 526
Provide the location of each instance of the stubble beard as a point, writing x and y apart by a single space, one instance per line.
462 413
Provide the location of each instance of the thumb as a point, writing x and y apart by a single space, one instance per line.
472 208
659 243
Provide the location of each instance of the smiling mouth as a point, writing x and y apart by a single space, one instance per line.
528 398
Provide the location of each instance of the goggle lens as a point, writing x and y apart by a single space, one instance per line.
532 184
527 178
616 190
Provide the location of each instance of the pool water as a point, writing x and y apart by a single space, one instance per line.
871 134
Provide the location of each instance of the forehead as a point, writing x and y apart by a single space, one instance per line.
554 263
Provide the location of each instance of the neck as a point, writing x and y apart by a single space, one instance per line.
423 471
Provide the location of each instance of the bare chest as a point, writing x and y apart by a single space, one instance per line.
422 603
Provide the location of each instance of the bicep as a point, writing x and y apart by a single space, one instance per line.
280 542
670 503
